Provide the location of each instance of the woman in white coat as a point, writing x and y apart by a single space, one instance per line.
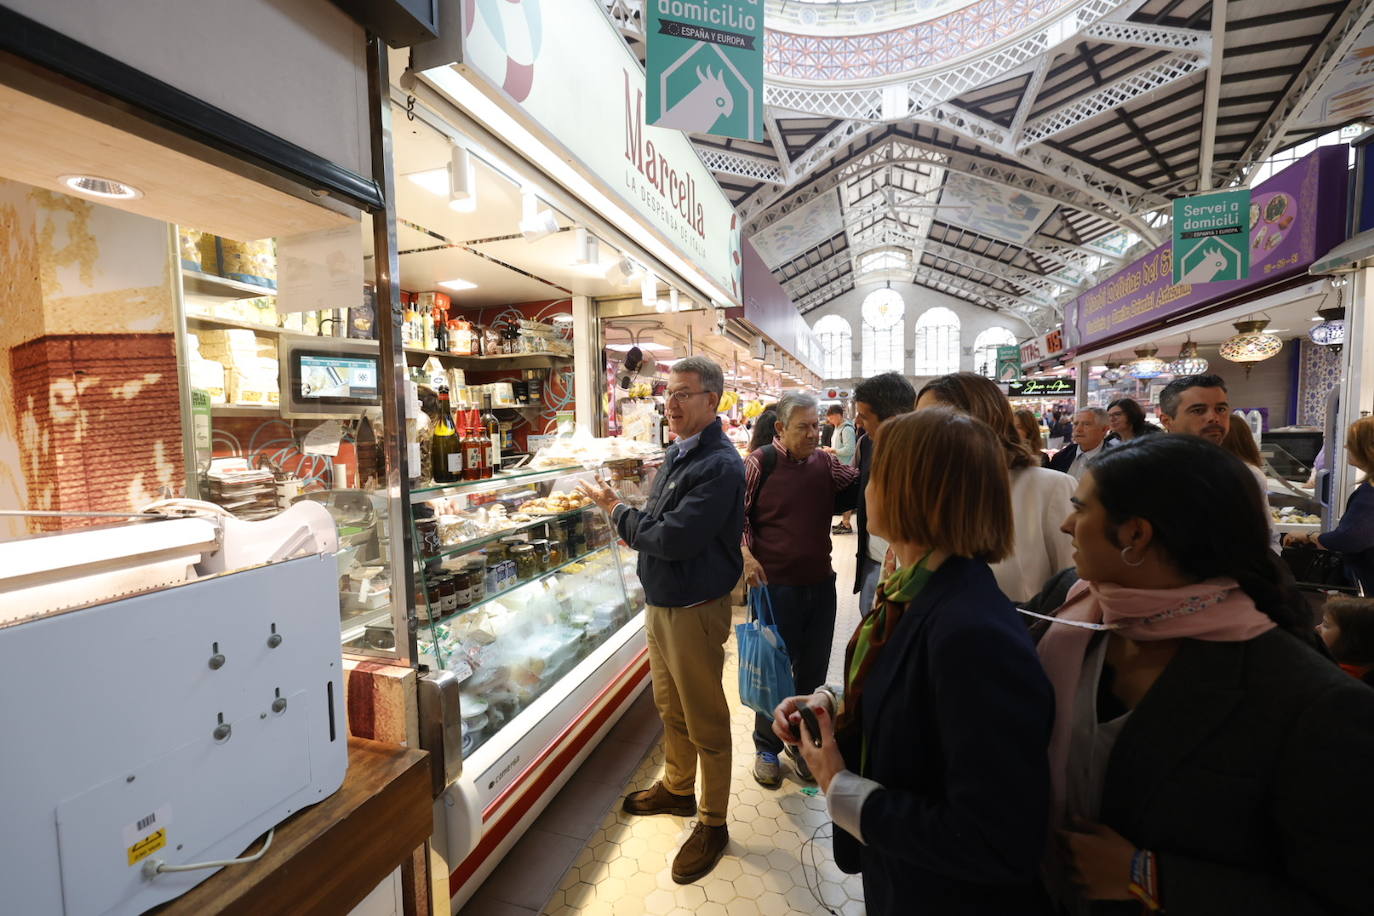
1039 497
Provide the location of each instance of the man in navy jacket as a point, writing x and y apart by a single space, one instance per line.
688 539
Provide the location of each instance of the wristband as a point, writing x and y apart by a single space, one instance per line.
1144 884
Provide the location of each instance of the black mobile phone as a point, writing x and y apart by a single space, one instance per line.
812 725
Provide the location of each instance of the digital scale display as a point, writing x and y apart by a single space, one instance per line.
337 377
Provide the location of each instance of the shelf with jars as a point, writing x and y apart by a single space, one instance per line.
518 579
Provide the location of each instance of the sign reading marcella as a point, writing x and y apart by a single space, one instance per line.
1285 236
1210 231
678 189
704 66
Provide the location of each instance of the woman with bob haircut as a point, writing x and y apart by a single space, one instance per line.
1039 496
1347 628
1126 419
1029 427
1354 536
1192 709
935 768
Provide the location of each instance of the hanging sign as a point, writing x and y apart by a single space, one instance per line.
1041 387
1008 363
1212 237
704 66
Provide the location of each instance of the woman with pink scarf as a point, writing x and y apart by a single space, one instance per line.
1195 721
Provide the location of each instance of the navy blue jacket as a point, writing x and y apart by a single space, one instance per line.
1354 537
957 713
688 535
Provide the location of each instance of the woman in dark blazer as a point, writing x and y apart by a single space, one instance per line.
1206 758
937 781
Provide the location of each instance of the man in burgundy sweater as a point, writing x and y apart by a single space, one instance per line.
792 492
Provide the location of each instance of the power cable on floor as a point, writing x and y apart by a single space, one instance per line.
815 868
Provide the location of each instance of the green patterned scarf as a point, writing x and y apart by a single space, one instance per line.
894 594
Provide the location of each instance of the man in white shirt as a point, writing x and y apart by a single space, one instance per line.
1089 435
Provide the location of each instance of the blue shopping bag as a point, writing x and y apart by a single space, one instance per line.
765 670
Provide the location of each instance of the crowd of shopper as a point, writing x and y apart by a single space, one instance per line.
1167 732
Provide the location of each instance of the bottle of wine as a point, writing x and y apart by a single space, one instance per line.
492 426
445 449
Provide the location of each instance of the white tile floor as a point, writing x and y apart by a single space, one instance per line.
624 868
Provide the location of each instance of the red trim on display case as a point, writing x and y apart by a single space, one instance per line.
492 835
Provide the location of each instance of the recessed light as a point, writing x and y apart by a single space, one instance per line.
105 188
435 181
647 345
457 285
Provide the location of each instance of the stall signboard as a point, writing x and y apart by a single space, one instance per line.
1041 388
1008 363
1211 233
1295 216
520 54
1042 347
705 66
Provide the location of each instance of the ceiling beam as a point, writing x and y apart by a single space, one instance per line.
1145 35
1324 59
1207 150
728 162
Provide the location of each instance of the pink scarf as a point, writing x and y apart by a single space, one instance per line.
1215 609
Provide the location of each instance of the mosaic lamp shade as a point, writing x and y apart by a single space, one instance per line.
1331 331
1251 345
1113 373
1146 364
1188 362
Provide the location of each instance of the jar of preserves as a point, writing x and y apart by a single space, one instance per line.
556 557
448 594
541 552
462 587
495 573
427 529
526 563
477 582
434 598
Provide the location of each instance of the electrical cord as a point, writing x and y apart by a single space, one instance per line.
154 867
813 873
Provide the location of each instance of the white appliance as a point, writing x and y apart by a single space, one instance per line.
158 710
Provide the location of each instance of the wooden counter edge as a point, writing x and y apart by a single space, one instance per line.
327 858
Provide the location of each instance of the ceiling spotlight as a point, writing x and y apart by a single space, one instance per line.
462 181
648 292
622 272
585 250
104 188
535 223
673 303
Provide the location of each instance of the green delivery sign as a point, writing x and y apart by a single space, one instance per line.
1212 237
704 66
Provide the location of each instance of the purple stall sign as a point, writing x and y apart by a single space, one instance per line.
1295 217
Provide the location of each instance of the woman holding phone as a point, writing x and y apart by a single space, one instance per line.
934 762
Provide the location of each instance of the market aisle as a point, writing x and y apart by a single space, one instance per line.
624 868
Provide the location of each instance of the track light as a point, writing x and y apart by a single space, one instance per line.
673 303
535 223
585 253
622 272
462 181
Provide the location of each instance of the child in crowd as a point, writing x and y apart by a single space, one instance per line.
1348 628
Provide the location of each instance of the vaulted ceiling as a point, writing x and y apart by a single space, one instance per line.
1008 151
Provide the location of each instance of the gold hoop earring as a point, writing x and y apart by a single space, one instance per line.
1126 550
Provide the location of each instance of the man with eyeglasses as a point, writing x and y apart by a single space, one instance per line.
688 539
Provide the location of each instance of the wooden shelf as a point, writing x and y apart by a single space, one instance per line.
211 321
245 410
381 815
209 286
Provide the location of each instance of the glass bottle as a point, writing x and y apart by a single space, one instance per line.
492 428
474 453
445 450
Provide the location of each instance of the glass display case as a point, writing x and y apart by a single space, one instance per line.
518 579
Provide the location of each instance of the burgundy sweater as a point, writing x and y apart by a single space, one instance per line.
787 524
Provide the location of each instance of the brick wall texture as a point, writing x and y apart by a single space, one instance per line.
99 421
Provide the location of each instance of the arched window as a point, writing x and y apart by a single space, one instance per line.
884 331
985 349
837 347
937 342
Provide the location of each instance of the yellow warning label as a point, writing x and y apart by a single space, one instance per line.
147 846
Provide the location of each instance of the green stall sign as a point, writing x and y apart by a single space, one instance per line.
704 66
1212 237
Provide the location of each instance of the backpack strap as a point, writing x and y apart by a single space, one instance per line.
768 460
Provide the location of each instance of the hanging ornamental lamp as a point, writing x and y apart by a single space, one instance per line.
1146 364
1250 345
1113 373
1331 332
1188 362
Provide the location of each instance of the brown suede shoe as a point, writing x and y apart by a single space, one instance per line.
700 853
659 800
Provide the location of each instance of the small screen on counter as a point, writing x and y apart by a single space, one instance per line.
332 378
